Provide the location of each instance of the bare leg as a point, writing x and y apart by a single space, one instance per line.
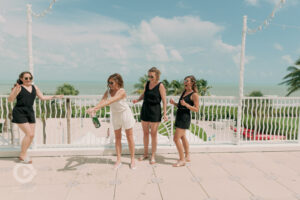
28 129
145 126
154 127
118 145
179 133
186 147
129 135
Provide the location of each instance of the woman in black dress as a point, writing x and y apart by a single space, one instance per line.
23 114
154 93
189 101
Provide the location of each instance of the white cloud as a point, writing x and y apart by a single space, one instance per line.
106 45
252 2
180 4
278 47
220 45
145 34
237 59
185 29
2 19
158 53
288 59
175 55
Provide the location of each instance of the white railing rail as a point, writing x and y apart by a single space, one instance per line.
64 122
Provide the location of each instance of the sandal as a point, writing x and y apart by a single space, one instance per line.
117 166
25 160
179 164
188 160
152 161
133 167
143 158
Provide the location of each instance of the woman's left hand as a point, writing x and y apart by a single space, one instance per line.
165 117
58 96
183 103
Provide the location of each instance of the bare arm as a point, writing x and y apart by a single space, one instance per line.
14 93
44 98
173 102
162 92
141 96
195 99
104 102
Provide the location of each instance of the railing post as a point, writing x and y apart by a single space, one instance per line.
68 120
298 136
241 87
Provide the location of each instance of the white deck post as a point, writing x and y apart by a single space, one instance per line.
29 37
241 86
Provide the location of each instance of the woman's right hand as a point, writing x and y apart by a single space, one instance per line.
172 101
135 101
91 110
18 88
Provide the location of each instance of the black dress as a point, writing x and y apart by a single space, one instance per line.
183 115
23 111
151 109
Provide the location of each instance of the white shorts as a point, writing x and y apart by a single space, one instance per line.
123 119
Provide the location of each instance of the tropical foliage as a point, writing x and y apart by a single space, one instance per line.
256 93
292 79
67 89
174 87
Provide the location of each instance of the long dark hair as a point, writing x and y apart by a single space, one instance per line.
19 81
194 81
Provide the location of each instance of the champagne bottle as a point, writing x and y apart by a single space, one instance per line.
95 120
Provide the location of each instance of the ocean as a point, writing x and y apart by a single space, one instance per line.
98 88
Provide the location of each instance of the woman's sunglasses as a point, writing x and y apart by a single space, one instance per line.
150 76
28 78
110 83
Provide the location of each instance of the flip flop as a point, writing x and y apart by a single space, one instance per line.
152 162
117 166
25 161
143 158
179 164
133 168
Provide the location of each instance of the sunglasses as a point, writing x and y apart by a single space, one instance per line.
28 78
150 76
110 83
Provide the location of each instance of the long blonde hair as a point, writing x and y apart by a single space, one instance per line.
156 71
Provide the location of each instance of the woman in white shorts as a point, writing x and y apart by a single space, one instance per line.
122 116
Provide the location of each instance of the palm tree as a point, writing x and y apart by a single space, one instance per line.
176 87
292 79
140 85
167 86
202 86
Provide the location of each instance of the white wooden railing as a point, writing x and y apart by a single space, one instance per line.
64 122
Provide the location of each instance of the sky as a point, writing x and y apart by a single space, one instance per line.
87 40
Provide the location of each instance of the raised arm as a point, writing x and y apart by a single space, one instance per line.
105 102
14 93
162 91
44 98
141 96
